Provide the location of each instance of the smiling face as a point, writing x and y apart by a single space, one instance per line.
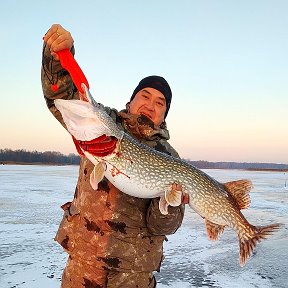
151 103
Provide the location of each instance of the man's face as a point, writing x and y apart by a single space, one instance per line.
151 103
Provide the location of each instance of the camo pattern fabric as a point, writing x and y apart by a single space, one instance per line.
113 239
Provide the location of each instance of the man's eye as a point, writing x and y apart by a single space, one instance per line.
160 104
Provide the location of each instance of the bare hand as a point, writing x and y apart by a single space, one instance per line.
57 38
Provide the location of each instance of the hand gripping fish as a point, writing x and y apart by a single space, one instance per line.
141 171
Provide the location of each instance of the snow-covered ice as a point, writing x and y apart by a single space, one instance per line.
30 199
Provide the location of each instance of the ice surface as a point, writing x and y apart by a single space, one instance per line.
30 199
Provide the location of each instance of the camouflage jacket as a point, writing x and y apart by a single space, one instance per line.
107 228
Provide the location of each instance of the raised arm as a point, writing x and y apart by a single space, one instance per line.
56 81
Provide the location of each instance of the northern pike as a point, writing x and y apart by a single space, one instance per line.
141 171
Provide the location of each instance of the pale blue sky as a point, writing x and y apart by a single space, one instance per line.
226 62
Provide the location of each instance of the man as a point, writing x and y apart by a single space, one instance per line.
113 239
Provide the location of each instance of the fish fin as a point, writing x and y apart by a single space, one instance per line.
213 230
239 190
163 205
247 245
97 175
90 157
173 195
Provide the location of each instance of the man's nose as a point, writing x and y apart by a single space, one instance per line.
150 105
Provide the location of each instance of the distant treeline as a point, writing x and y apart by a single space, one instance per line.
236 165
52 157
48 157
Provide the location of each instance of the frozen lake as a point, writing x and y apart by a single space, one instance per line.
30 199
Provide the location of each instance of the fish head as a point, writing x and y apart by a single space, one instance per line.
82 119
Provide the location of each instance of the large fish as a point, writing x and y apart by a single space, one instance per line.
140 171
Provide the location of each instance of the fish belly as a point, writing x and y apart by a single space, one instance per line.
133 186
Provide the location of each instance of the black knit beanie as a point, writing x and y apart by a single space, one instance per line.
158 83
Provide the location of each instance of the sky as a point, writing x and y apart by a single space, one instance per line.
226 62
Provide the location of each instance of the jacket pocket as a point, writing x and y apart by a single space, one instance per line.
65 235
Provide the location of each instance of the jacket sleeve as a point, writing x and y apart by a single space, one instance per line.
157 223
53 73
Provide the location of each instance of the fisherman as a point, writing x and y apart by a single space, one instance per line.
113 239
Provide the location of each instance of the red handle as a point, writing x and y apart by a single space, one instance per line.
103 145
69 63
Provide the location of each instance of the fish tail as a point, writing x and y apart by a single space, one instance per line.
247 245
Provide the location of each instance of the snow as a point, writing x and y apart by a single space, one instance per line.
30 200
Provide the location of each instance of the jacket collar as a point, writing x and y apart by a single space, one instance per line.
143 128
